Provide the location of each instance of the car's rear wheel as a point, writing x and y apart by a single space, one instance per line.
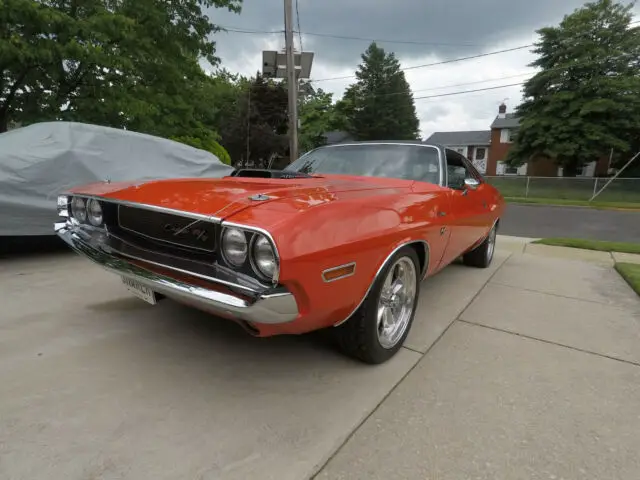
378 329
482 255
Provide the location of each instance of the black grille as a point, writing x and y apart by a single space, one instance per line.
168 228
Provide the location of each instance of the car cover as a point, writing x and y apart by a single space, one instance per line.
42 160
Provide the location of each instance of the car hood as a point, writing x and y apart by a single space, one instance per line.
224 197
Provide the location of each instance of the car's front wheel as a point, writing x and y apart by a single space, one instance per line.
378 329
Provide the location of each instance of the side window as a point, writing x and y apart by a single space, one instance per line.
472 171
423 165
457 170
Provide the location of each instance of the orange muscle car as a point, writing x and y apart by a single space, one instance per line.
340 238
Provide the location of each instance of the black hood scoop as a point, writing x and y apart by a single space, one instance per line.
266 173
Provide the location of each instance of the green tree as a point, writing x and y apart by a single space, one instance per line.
125 63
256 131
206 141
380 104
318 116
586 98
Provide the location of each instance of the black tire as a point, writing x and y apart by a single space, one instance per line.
482 255
358 337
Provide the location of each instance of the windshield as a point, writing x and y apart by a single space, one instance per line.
410 162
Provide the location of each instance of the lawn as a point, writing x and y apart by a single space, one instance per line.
620 247
631 273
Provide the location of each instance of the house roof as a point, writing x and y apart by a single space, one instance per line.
476 137
509 121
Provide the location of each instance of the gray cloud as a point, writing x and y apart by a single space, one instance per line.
457 27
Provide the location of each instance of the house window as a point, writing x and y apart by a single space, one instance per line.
481 153
503 168
508 135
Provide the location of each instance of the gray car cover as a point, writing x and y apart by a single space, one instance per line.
40 161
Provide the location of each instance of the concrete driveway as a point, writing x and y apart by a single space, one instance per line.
529 369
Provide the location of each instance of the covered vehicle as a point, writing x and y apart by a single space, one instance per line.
340 238
40 161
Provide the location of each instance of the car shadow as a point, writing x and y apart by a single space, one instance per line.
28 246
181 326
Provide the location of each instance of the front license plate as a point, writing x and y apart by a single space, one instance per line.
140 290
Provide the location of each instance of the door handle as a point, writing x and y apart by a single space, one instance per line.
441 213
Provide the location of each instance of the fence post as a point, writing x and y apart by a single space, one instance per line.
526 192
595 185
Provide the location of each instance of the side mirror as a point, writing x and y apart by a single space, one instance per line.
471 183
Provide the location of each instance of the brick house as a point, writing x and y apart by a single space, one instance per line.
474 145
502 131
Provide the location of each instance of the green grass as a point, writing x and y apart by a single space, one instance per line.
574 203
620 247
631 273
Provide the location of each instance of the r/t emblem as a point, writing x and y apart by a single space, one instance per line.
442 230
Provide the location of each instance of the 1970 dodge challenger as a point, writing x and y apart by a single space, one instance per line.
340 238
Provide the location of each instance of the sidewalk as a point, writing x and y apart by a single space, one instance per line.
538 378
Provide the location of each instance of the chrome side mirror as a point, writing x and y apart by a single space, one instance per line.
471 183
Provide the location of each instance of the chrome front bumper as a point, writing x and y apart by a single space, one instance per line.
261 308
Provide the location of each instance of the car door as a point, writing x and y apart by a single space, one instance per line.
485 197
426 168
465 217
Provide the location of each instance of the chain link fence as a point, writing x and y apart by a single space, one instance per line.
620 190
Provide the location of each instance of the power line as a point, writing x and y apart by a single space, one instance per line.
510 84
426 65
225 28
382 40
473 83
405 42
469 91
443 62
298 22
234 29
559 68
496 87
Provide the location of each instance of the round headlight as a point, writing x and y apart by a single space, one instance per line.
79 209
234 246
263 257
94 211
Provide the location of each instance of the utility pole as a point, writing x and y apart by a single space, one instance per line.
292 82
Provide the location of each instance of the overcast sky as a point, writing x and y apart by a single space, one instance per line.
443 30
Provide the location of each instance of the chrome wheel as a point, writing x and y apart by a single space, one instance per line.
396 302
491 244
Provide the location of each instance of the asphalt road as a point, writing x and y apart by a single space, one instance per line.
539 221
